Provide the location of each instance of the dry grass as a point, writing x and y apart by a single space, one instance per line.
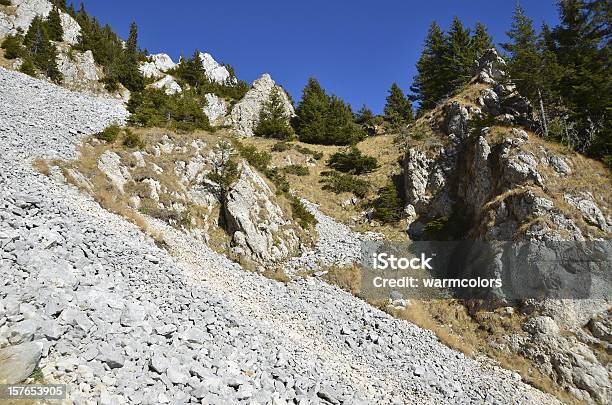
382 147
348 278
42 166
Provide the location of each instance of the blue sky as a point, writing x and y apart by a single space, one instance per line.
355 48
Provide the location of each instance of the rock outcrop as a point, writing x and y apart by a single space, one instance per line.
245 114
157 65
168 84
22 12
501 183
214 71
260 229
79 70
215 109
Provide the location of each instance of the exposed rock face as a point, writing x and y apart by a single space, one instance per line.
214 71
259 227
490 67
168 84
501 184
79 70
19 361
245 114
215 109
71 28
110 164
158 64
24 12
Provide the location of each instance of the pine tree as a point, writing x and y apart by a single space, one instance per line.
458 58
54 26
388 206
481 41
524 60
364 116
429 84
310 111
324 119
12 47
582 48
129 74
398 109
273 120
42 52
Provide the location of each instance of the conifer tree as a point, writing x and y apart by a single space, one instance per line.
524 60
481 41
398 109
54 25
310 111
458 58
42 52
429 84
364 116
324 119
273 120
129 74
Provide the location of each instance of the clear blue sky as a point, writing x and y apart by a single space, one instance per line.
355 48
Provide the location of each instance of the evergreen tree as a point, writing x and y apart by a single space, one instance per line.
273 120
458 58
310 111
398 109
42 52
388 206
324 119
429 84
27 67
129 74
364 116
12 47
54 25
524 60
481 41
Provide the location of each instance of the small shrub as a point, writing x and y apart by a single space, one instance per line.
279 179
109 134
5 2
418 134
344 183
388 206
297 170
13 47
306 151
607 161
300 213
132 140
435 229
27 67
352 161
281 146
259 160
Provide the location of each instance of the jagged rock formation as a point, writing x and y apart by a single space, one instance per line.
169 85
260 229
214 71
215 109
22 12
501 183
113 310
157 65
245 114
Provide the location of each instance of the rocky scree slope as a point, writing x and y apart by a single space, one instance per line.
122 321
480 168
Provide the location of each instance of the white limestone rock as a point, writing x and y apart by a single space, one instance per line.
214 71
215 109
77 67
245 114
168 84
157 65
71 28
24 11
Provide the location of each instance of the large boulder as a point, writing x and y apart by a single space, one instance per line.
18 362
259 227
22 12
245 114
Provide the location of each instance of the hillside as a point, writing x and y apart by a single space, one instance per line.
172 234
